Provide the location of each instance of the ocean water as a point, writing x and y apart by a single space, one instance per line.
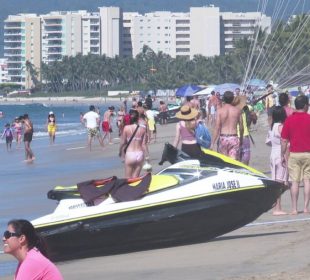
67 118
24 186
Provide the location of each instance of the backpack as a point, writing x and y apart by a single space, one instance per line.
202 135
8 133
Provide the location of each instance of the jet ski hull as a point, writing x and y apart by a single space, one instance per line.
191 220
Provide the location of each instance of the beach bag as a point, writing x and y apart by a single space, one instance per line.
202 135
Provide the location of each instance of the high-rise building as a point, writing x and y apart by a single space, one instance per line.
22 43
111 31
3 70
202 31
61 35
91 34
239 25
205 31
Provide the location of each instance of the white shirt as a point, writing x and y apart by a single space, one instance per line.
150 114
91 118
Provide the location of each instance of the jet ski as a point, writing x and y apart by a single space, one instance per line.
190 201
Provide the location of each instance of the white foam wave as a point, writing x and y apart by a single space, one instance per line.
60 132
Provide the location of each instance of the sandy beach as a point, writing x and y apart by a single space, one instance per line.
269 248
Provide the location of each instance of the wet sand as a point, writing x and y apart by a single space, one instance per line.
269 248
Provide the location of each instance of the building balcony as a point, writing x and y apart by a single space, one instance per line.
53 22
17 32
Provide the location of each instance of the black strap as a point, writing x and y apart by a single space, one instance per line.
132 136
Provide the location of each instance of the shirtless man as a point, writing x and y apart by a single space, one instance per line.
107 123
227 119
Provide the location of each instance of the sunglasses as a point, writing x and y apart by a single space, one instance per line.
7 234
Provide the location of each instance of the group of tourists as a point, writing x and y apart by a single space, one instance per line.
289 137
20 129
230 121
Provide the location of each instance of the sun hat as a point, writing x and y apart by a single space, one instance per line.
51 113
239 101
186 113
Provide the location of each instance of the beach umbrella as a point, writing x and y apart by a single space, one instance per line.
256 83
226 87
294 93
187 90
205 91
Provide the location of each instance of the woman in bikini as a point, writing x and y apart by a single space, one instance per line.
17 126
120 120
137 150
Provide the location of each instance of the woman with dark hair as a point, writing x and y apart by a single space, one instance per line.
21 241
51 127
134 139
284 102
278 171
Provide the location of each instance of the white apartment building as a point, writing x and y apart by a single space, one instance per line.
128 33
202 31
238 25
22 43
4 70
61 35
91 27
160 31
205 31
111 31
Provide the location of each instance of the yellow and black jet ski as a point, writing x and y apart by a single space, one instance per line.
189 201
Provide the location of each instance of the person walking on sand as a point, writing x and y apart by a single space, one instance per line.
135 138
28 134
163 112
120 120
227 119
107 124
185 131
92 122
278 170
22 242
8 134
296 132
51 127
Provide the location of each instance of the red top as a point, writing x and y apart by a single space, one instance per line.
296 130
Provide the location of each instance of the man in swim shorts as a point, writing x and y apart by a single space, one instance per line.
92 120
225 132
107 123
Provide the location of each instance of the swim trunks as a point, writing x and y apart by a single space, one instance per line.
92 132
106 127
229 145
28 136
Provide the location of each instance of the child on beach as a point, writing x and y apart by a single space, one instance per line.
8 133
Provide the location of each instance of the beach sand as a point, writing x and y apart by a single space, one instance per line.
270 248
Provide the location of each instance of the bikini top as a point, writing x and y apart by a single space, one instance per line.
135 138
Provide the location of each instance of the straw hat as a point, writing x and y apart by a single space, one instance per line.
239 101
186 113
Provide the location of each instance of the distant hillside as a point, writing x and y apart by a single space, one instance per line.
11 7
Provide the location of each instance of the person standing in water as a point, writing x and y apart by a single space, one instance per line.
28 133
8 134
51 127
